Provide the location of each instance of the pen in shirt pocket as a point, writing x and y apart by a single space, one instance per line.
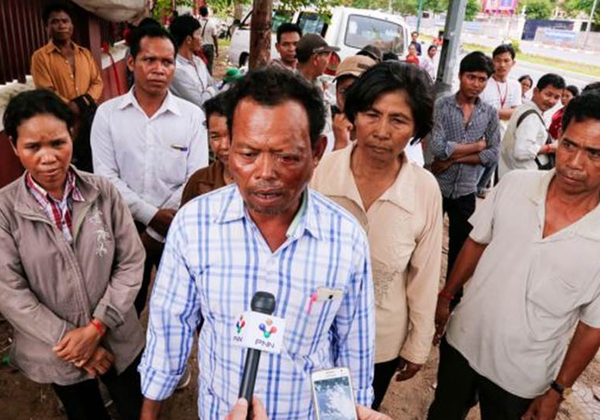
179 147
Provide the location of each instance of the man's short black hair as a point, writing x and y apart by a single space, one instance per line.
272 86
583 107
390 56
216 105
150 31
391 76
183 26
504 48
203 11
287 27
30 103
476 61
414 33
573 89
56 6
431 47
551 79
591 86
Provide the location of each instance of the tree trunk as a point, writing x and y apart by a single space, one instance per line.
260 33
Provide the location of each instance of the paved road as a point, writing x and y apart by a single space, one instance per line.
530 47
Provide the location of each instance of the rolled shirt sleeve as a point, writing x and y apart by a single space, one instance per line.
174 313
353 329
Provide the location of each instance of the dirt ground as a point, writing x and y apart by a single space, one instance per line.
22 399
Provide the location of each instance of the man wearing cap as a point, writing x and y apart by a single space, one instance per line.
313 55
347 72
372 52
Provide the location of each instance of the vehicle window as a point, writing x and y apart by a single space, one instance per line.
312 23
365 30
279 17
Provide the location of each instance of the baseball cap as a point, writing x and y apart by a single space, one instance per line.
354 66
311 44
372 51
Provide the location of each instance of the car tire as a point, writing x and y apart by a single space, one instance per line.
243 59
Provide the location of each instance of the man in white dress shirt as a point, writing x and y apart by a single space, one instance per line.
192 81
148 142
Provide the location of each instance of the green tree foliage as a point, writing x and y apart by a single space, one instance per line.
574 7
473 7
538 9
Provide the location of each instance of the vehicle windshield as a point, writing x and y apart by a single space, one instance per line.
364 30
312 23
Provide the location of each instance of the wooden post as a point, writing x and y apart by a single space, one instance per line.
260 33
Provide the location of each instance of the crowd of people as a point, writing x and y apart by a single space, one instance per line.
334 203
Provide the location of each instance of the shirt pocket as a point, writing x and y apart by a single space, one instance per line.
172 162
311 327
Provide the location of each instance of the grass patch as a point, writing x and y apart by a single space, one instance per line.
586 69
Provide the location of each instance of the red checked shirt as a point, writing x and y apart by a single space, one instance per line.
58 211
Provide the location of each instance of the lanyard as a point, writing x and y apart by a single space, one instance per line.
502 99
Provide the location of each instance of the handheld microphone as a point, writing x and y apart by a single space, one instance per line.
262 302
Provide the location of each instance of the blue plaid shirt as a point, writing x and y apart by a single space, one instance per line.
214 261
449 130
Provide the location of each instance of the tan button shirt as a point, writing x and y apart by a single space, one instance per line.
51 70
528 292
404 227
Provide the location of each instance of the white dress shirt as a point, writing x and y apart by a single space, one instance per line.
149 159
192 81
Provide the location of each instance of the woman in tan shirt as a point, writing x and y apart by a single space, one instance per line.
399 205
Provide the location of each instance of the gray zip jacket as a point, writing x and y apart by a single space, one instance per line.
48 287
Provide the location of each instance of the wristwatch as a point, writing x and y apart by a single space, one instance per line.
564 391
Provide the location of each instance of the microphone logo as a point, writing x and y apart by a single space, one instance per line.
268 329
240 324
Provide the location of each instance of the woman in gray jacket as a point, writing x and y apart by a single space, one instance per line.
71 264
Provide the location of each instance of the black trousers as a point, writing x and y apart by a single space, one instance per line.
209 52
458 385
151 262
83 401
459 210
384 372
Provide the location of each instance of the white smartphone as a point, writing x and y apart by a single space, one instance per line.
333 397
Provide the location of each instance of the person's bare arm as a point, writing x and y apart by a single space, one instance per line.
582 349
463 269
505 113
150 409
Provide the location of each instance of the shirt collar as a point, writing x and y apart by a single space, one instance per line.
70 191
306 219
588 226
401 193
169 103
51 47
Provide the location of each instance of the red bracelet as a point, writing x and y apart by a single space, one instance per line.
98 327
445 295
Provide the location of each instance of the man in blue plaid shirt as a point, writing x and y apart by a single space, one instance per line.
268 232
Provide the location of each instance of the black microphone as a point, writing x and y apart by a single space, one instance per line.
264 303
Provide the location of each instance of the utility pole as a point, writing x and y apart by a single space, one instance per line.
419 15
260 33
448 58
589 24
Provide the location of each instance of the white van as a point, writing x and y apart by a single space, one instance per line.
347 28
